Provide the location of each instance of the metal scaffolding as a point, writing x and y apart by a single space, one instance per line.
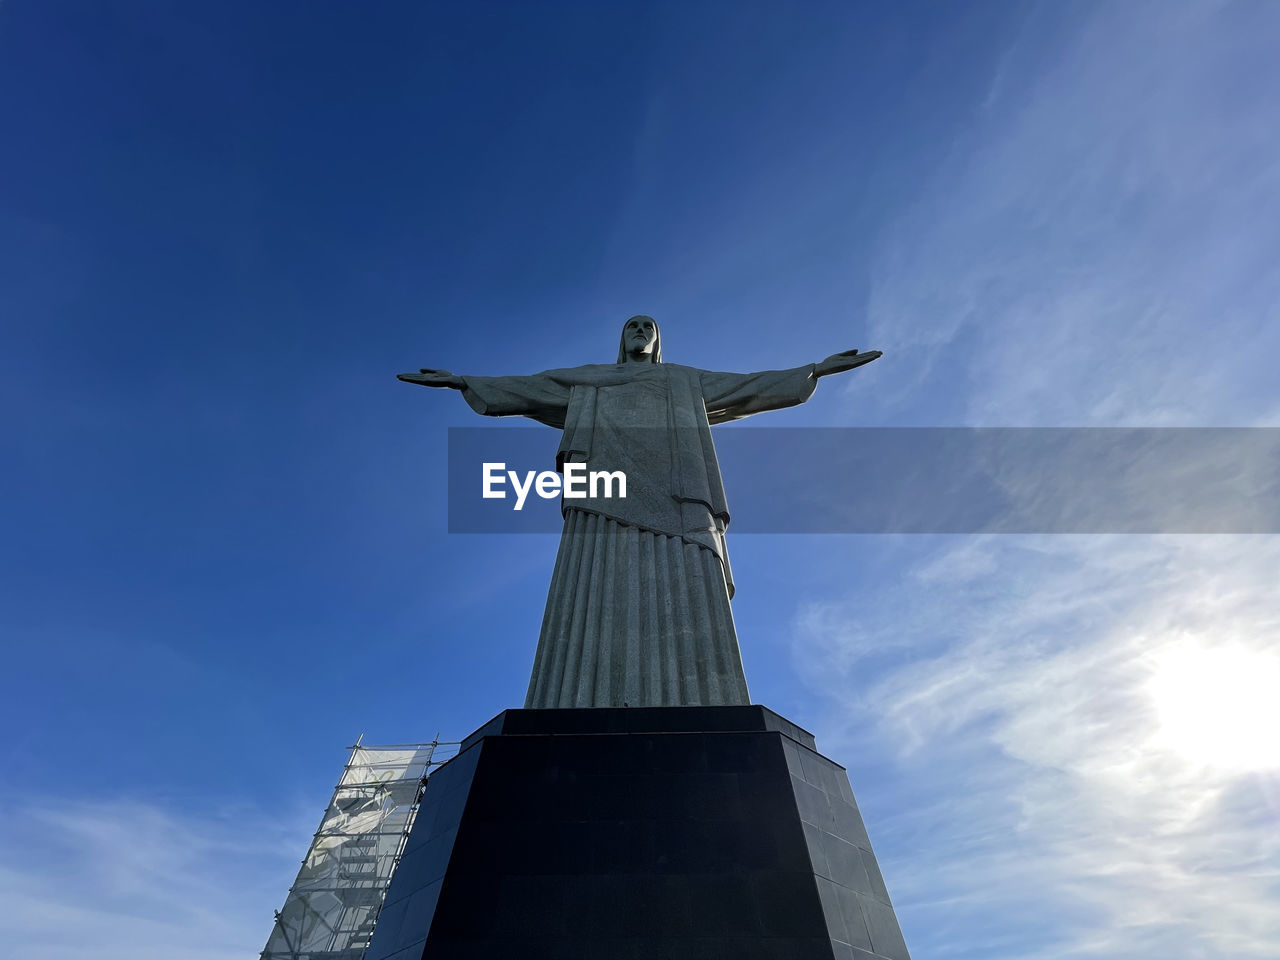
334 902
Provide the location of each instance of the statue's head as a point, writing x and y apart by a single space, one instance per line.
640 333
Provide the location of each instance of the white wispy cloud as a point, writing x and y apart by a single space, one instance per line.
1039 783
1100 248
1072 778
128 878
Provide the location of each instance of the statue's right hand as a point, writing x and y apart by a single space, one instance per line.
433 378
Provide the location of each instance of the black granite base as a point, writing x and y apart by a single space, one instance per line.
638 834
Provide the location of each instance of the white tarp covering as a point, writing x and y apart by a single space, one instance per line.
334 902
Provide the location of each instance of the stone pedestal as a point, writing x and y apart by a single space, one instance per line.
638 834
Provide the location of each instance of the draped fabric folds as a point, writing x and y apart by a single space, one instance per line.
635 618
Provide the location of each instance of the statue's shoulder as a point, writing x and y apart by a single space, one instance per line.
596 369
586 370
589 374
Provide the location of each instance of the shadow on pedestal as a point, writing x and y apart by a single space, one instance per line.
688 833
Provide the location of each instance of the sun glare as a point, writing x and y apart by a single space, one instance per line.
1219 706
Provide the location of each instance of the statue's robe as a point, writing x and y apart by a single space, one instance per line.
638 610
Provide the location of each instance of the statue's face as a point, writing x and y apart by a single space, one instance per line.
639 336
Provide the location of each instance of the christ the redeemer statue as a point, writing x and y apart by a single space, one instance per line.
638 610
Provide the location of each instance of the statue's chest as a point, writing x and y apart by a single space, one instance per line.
635 405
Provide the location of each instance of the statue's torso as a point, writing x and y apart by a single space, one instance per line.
631 433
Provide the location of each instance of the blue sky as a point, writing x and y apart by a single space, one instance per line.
225 227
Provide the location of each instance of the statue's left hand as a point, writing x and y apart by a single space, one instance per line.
846 360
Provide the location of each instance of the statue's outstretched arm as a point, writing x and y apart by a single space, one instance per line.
845 360
433 378
732 396
541 396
